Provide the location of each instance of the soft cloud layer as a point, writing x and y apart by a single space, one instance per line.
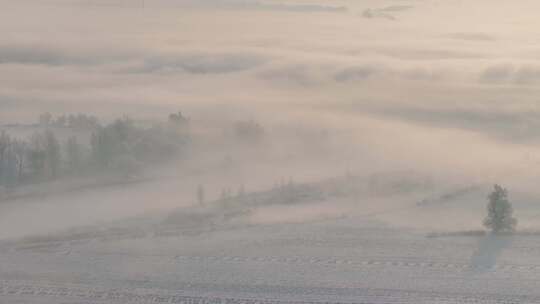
367 66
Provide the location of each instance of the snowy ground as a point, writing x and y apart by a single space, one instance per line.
322 261
207 255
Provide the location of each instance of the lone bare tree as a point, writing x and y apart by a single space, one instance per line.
499 218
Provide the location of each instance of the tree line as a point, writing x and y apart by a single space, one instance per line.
121 147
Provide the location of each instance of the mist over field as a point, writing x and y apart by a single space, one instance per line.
265 150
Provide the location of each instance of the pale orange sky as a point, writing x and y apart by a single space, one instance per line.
456 80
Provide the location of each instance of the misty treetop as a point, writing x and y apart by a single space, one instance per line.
248 131
179 119
74 121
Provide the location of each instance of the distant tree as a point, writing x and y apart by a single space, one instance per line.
5 142
112 141
45 119
53 156
121 146
200 194
79 121
248 131
499 218
178 119
37 155
241 194
20 149
61 121
156 144
100 144
9 174
74 154
125 166
241 191
71 121
225 195
13 154
44 155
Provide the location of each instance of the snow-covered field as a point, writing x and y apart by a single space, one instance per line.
335 261
430 102
212 255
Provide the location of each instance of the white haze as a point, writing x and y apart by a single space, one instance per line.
446 89
380 128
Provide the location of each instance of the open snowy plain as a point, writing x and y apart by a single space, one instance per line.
387 122
295 243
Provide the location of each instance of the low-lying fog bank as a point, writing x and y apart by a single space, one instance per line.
68 172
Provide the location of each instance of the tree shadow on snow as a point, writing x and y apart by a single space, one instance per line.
489 249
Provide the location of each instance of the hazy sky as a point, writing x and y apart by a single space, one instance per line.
447 84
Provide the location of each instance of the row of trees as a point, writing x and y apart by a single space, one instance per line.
499 217
121 147
38 157
75 121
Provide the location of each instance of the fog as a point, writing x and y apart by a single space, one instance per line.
337 129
